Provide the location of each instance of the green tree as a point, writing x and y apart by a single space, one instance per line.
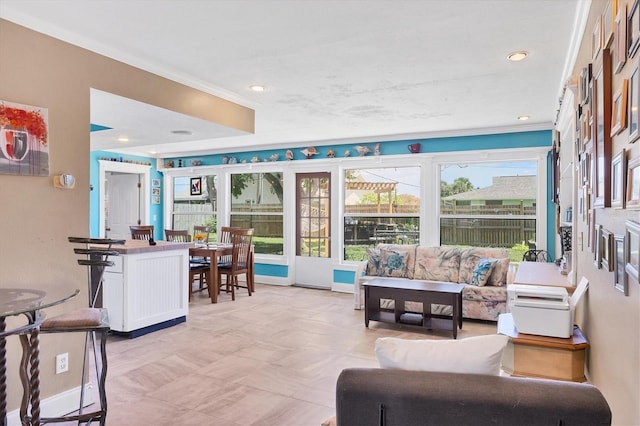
459 185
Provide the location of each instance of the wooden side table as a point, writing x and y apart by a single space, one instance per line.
529 355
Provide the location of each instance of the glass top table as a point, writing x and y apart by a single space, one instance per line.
27 302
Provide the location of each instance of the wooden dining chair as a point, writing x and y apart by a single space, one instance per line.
139 232
240 261
177 235
198 266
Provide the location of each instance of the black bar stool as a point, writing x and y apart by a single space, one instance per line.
91 320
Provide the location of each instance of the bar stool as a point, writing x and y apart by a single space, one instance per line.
91 320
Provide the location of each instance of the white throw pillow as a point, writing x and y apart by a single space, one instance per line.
475 355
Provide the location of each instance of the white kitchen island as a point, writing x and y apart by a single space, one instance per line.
147 287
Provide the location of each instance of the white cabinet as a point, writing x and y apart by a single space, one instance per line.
146 291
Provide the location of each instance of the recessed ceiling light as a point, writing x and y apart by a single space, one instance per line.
257 88
181 132
123 139
517 56
523 117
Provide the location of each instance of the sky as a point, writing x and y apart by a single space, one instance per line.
480 175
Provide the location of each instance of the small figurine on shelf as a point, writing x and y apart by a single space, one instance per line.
255 159
347 153
169 164
376 149
289 155
274 157
309 152
331 153
362 150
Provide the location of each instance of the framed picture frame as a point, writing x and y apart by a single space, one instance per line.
155 183
620 37
155 199
608 20
619 109
597 248
585 166
596 38
634 104
633 29
196 186
585 81
606 250
585 127
591 225
633 183
555 176
601 184
618 179
620 282
632 249
155 191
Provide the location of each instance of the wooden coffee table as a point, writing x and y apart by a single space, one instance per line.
401 291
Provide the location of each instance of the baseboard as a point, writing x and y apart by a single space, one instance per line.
57 405
342 288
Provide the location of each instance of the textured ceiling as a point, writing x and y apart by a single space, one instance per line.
333 70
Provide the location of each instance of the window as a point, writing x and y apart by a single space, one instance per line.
256 202
489 205
313 205
191 210
380 206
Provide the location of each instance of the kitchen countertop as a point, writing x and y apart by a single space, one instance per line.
142 246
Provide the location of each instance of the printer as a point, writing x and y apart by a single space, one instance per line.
544 310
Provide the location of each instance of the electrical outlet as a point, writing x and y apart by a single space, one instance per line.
62 363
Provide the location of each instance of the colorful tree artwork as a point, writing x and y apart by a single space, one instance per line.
24 147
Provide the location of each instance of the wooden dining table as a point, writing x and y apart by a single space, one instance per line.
214 251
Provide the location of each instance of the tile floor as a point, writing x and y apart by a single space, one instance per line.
269 359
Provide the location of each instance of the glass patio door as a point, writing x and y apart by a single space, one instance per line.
313 229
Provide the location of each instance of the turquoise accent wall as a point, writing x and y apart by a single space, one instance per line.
540 138
266 269
94 201
344 277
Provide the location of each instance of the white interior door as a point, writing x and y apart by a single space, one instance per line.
124 204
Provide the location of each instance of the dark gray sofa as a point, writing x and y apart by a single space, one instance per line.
400 397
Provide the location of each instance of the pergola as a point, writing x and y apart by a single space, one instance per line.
376 187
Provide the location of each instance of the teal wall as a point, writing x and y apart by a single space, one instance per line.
542 138
539 138
94 201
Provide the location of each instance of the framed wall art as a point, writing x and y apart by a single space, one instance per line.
596 38
585 127
606 249
620 31
620 275
632 249
608 22
633 29
619 109
633 183
634 104
585 80
601 184
618 179
196 186
597 249
24 132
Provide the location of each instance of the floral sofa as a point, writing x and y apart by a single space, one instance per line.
485 272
